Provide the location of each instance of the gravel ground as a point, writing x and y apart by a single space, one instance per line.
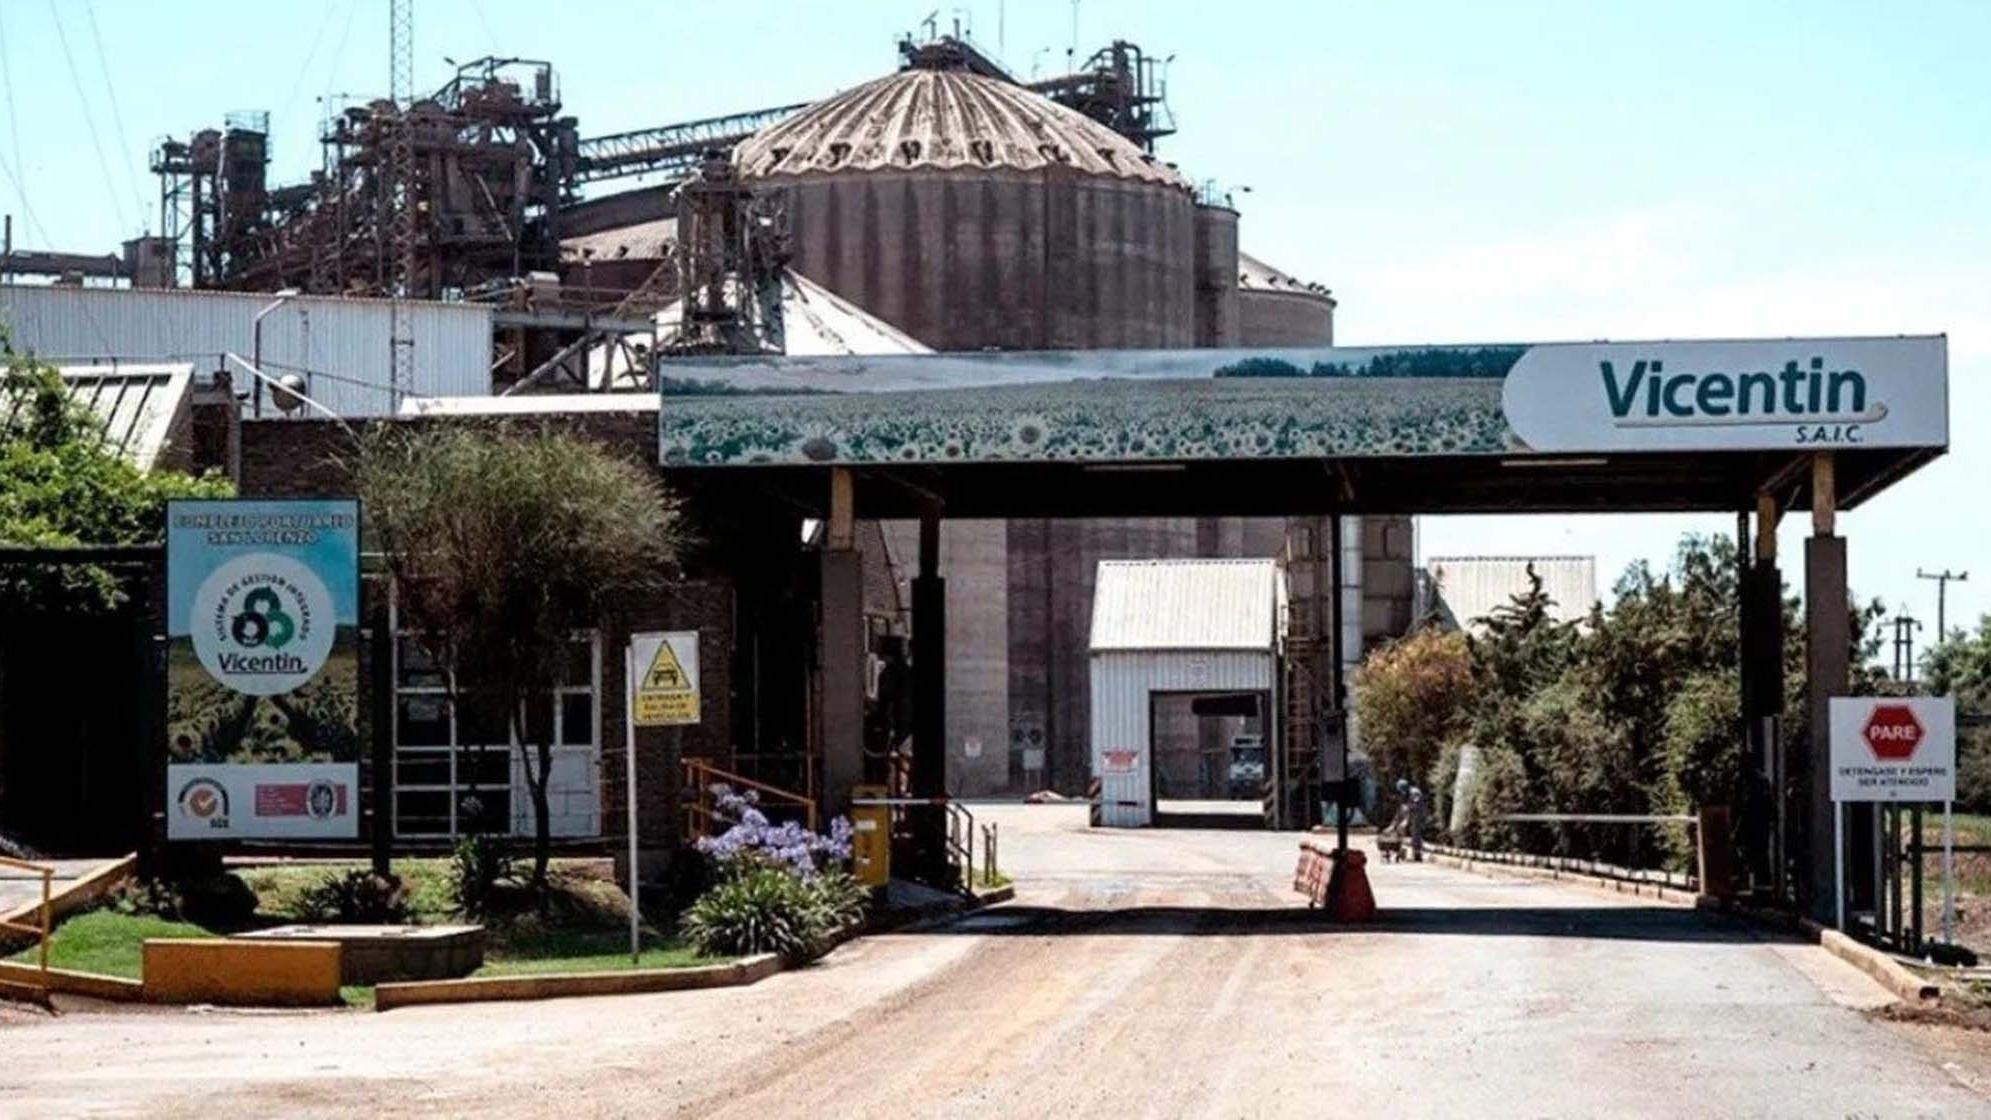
1165 973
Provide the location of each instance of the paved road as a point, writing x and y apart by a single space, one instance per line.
1139 973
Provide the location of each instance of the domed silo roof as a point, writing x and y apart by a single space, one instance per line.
946 120
973 213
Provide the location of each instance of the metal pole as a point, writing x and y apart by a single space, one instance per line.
1839 864
1915 879
1949 877
629 788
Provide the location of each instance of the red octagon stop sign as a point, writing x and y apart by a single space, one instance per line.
1892 732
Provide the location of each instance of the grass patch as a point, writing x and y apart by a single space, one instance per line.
280 888
106 942
992 880
526 953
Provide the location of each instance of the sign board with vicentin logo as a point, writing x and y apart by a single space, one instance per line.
262 673
1819 393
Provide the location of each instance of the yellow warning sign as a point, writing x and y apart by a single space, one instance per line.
666 691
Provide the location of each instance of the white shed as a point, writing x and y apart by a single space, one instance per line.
1173 627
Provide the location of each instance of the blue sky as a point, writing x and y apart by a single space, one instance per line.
1456 172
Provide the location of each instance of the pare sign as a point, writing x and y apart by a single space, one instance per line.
1887 748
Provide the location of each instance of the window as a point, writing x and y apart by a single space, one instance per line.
456 768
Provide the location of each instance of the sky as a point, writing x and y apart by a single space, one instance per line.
1456 172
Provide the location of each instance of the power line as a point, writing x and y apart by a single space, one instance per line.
89 118
297 83
13 122
111 93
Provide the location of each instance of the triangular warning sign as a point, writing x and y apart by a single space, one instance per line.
664 673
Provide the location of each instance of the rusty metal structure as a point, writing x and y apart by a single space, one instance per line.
425 200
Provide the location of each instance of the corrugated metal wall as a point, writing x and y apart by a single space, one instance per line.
1121 684
340 346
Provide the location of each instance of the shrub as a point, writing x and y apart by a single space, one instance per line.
1411 698
478 865
357 897
218 901
763 910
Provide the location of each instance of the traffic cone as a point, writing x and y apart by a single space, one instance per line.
1348 896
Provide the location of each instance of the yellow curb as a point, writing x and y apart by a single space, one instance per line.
1888 972
554 985
75 983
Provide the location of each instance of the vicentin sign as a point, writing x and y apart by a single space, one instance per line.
1675 396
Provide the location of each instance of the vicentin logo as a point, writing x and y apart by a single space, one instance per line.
1599 397
1647 395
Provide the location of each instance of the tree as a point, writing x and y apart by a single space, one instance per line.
1961 667
1411 700
63 484
503 544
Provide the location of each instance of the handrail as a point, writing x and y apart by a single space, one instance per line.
40 930
700 775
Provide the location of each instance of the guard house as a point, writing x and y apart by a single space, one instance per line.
1185 653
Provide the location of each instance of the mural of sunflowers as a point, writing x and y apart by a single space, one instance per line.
207 722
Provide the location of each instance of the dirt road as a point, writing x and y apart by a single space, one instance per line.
1139 973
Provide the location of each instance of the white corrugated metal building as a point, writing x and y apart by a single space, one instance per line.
1465 589
340 346
1173 626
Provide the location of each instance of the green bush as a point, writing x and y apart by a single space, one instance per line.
355 897
765 909
220 901
1500 786
761 910
479 863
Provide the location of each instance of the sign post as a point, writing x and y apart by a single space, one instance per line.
1889 748
660 682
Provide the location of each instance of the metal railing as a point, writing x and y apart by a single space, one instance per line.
38 930
701 810
1590 865
959 838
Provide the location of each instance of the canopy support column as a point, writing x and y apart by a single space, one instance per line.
1763 815
929 761
842 652
1828 669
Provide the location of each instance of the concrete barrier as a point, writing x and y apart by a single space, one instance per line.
242 973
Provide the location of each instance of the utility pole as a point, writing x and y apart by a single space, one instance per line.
1942 579
1904 647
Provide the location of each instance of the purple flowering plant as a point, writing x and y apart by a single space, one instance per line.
753 841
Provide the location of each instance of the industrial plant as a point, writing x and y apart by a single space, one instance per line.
473 251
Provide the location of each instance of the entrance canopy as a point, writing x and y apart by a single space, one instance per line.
1622 426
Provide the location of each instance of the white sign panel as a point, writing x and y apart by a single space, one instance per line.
1893 749
1719 396
289 800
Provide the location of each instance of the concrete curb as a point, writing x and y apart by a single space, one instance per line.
1888 972
1672 896
68 900
914 919
555 985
